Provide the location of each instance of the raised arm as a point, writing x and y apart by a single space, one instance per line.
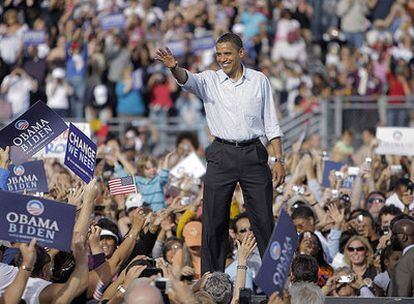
14 292
168 59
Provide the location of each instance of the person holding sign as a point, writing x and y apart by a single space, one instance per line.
240 109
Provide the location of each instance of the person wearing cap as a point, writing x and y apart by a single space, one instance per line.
108 241
192 239
58 92
240 111
100 103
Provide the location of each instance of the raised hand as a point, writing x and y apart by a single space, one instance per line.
5 157
246 248
94 238
91 191
28 253
166 57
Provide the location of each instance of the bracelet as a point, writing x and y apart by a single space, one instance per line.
176 65
24 267
243 267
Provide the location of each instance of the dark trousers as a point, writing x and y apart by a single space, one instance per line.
227 165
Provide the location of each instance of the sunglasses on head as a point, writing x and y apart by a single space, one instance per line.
244 230
359 249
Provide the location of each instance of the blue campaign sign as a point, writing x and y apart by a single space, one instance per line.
113 21
24 217
80 154
32 37
278 256
29 177
328 167
203 43
177 47
31 131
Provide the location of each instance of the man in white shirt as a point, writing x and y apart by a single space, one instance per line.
402 196
240 110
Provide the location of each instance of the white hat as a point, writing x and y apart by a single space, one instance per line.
105 232
100 92
58 73
134 200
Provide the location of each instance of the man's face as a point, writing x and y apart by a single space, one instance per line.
229 58
304 224
386 220
392 261
364 228
243 226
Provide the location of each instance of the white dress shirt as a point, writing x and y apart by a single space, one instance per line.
236 110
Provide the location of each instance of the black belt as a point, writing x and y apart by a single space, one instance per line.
243 143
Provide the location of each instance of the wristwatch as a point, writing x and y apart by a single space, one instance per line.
280 159
121 289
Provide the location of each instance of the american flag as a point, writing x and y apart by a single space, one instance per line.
123 185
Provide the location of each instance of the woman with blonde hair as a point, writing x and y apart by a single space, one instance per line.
358 254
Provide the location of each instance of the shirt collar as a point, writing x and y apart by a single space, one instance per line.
407 248
223 76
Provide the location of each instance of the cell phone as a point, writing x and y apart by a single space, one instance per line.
368 160
395 169
353 171
335 193
298 189
162 284
345 279
185 201
360 218
386 230
307 235
339 175
151 271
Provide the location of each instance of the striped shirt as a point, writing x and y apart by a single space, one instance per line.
236 110
152 190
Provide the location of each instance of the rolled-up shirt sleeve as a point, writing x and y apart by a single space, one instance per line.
195 84
271 123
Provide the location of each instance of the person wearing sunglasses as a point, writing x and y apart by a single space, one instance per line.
374 202
358 254
241 225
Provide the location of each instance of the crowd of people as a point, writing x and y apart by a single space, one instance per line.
356 232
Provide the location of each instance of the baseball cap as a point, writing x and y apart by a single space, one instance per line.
58 73
106 232
134 200
100 92
192 234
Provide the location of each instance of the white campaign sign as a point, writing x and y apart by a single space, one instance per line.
395 141
57 148
191 165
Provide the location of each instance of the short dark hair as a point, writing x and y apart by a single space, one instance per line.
302 212
232 38
236 219
390 209
305 268
386 254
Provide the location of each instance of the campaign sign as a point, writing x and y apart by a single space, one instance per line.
278 256
395 141
205 42
34 37
327 168
177 47
113 21
191 166
24 217
29 177
57 147
31 131
80 154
